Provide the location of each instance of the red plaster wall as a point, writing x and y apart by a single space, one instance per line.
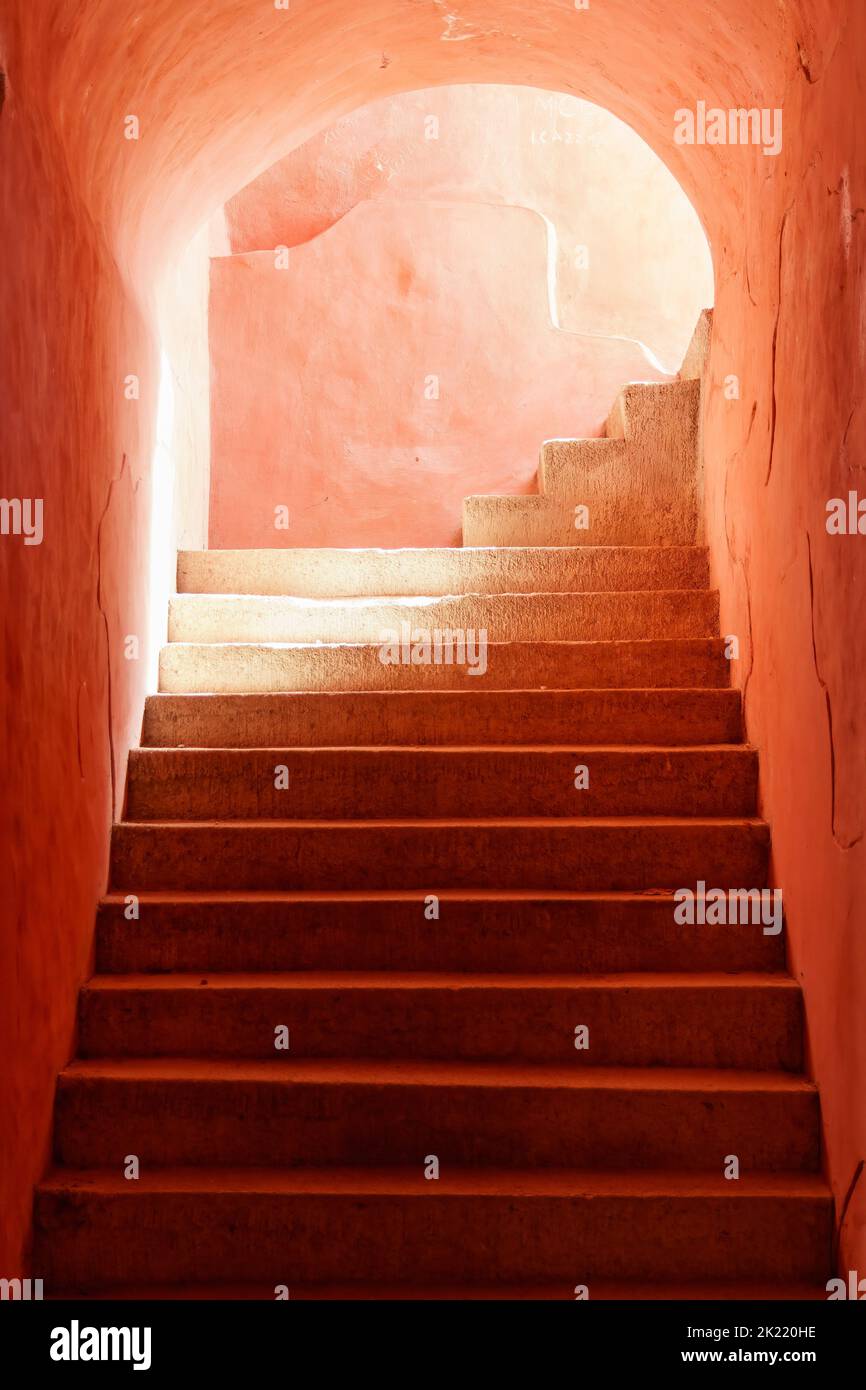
225 88
71 701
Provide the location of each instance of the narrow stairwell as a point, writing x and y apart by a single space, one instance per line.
395 863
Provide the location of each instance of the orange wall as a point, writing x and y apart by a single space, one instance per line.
71 702
222 91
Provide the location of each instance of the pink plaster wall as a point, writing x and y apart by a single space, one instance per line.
90 221
518 245
644 271
323 390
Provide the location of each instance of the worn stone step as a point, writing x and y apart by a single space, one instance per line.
172 1111
380 783
335 573
95 1229
713 1020
484 931
645 614
258 668
323 719
628 854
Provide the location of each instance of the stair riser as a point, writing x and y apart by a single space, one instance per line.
255 1123
504 618
93 1241
510 666
670 718
497 1293
575 857
578 936
634 517
362 784
754 1027
595 472
371 573
660 417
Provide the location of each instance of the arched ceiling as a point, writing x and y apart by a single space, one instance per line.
222 88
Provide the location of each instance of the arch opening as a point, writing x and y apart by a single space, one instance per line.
404 307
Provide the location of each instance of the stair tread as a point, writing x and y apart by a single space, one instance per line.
439 551
376 1071
393 980
410 1182
451 749
601 1290
475 822
399 600
698 692
397 895
666 642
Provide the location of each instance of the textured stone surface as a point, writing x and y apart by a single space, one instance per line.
471 1033
309 1112
449 570
744 1021
639 485
511 665
586 854
427 718
482 931
221 618
378 783
529 1226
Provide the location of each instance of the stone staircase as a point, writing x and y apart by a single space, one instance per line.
394 863
639 484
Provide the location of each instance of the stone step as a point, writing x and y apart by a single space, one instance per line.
237 668
371 573
439 783
580 855
744 1021
716 1292
629 616
178 1111
94 1228
433 718
475 931
636 487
